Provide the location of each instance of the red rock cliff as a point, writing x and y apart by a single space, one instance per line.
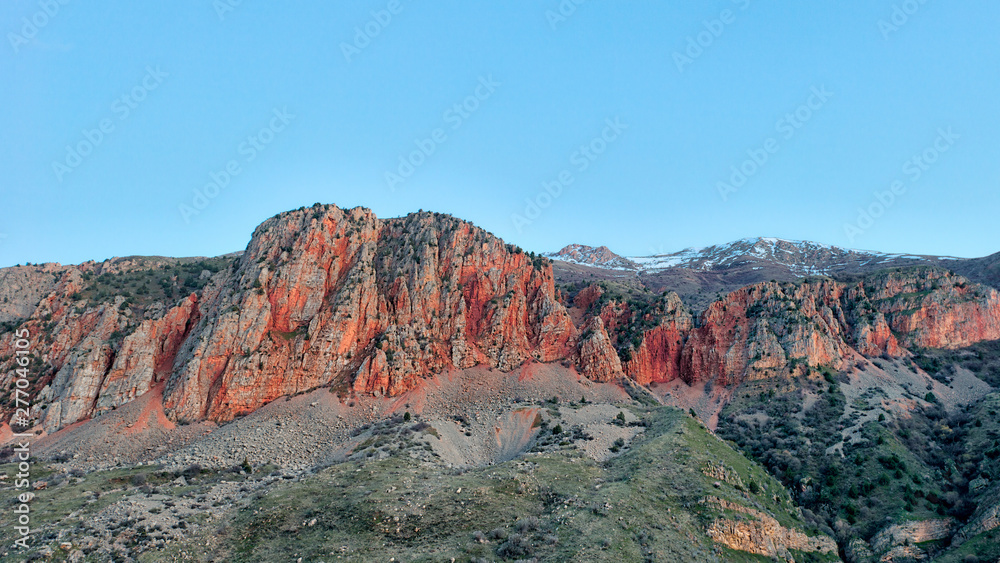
325 296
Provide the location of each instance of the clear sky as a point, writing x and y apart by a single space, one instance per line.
645 111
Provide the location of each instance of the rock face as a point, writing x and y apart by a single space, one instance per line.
775 328
658 357
985 518
326 296
598 358
23 287
899 542
330 297
147 355
762 534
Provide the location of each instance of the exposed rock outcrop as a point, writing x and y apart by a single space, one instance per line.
762 534
985 518
776 328
899 541
330 297
324 295
598 359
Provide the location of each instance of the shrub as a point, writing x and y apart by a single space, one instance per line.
529 524
618 445
517 545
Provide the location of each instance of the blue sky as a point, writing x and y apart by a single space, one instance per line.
643 110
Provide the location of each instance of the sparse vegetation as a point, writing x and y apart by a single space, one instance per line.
558 506
161 281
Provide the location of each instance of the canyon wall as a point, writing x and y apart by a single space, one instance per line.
329 297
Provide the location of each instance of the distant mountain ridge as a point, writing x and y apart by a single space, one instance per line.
330 297
804 257
600 257
699 274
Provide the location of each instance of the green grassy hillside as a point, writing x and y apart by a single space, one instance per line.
648 504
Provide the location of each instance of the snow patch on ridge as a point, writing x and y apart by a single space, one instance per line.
802 258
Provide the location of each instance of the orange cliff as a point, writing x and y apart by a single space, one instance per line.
772 328
326 296
330 297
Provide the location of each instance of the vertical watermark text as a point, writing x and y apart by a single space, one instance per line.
20 424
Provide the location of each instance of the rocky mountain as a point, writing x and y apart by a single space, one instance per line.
321 297
328 297
984 270
802 258
431 313
701 274
600 257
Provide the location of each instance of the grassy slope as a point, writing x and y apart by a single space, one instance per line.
76 499
640 506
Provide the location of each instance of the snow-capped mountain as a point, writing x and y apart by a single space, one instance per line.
800 257
600 257
700 274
